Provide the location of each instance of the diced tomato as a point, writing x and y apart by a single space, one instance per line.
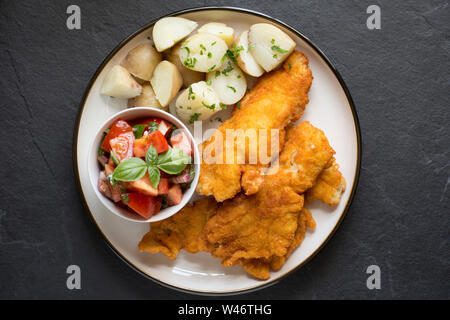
164 127
175 195
181 141
115 191
109 169
118 127
156 139
142 185
163 186
146 206
122 146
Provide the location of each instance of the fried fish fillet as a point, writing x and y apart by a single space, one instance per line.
278 98
264 225
329 187
182 230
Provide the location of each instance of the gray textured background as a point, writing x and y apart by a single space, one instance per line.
398 77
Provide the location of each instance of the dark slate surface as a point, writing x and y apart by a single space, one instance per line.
399 79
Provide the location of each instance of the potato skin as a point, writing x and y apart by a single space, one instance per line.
142 60
146 99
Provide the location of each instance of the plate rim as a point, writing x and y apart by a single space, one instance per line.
330 65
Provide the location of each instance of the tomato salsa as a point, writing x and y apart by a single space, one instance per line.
145 165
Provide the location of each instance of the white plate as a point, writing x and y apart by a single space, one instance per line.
330 109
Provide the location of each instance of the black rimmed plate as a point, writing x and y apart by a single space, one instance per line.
330 109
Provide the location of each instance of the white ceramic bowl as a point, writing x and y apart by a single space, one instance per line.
94 167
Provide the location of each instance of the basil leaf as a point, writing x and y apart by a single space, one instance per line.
139 130
151 157
154 175
114 159
131 169
173 161
153 126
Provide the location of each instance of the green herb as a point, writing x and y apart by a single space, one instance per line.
189 108
217 73
152 126
138 130
232 88
213 43
191 94
153 45
209 55
181 107
238 76
111 180
190 63
272 41
114 158
233 53
201 52
239 105
107 131
173 161
203 47
101 151
131 169
278 49
290 66
212 68
154 175
274 56
222 106
125 198
194 117
208 82
212 107
228 69
187 50
250 47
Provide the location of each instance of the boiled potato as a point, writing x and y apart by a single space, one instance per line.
269 45
166 82
203 52
219 29
228 82
189 76
198 102
119 83
168 31
146 99
245 59
141 61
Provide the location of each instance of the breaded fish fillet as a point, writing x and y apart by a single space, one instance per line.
329 186
182 230
278 98
263 226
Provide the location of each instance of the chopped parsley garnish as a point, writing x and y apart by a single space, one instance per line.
201 52
209 55
250 47
227 69
278 49
125 198
191 94
194 117
239 105
217 73
212 107
213 43
274 56
212 68
233 53
232 88
208 82
222 106
189 108
272 41
187 49
290 66
238 76
219 119
189 62
202 47
181 107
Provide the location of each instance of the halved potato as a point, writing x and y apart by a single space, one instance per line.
228 82
203 52
119 83
142 60
189 76
269 45
219 29
198 102
168 31
166 81
245 59
146 99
